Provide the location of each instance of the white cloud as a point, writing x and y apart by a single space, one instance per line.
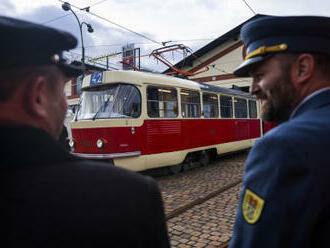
159 20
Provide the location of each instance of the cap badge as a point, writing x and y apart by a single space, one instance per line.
252 206
264 49
55 58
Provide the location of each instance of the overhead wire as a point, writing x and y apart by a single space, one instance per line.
55 19
114 23
142 43
221 70
129 30
60 17
87 9
88 57
97 3
249 7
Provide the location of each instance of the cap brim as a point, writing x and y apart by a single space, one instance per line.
244 69
71 70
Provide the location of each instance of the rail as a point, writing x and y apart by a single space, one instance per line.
201 200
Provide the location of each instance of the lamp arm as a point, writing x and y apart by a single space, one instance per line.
81 35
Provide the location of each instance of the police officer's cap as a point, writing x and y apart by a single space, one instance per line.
268 35
28 44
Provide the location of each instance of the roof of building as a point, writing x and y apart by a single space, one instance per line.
232 34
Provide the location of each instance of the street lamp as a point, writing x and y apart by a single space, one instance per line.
66 7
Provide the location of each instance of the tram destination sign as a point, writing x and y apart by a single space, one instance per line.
96 78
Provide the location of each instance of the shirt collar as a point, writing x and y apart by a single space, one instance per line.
308 98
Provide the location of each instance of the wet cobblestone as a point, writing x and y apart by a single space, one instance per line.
208 224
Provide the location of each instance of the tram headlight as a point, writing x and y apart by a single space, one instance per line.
100 143
71 143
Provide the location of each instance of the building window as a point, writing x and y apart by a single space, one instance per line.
253 109
190 104
162 102
210 105
240 108
226 106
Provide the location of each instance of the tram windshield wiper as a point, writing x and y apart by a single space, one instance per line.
103 106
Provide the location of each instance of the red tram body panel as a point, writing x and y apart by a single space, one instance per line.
157 136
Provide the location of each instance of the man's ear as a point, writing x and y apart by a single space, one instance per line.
38 97
302 69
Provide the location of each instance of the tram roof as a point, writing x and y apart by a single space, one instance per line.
225 90
139 78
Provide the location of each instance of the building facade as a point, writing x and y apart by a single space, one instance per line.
221 56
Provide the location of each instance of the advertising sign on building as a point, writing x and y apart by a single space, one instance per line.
128 61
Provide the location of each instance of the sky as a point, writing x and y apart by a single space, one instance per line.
148 23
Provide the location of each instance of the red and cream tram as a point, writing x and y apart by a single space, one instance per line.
143 120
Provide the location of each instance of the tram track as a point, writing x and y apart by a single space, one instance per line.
200 200
225 244
200 204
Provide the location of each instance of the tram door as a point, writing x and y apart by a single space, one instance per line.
241 122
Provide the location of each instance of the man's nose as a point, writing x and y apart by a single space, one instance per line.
254 88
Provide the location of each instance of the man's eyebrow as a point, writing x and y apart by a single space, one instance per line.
252 72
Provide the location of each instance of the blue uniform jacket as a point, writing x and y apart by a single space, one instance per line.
285 199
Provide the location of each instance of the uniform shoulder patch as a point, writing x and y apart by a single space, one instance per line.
252 206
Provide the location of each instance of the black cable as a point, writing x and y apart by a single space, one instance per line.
142 43
221 70
116 24
249 7
60 17
98 3
55 19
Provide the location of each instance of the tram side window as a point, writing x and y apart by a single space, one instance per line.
226 106
240 107
190 104
162 102
252 109
210 105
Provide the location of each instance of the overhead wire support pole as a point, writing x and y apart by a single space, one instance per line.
116 24
83 9
66 7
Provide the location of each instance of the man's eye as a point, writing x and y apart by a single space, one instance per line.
257 76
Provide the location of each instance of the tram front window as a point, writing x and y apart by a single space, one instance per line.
114 101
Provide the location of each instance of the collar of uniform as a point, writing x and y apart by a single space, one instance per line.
311 100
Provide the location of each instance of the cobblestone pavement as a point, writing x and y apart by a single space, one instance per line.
178 190
208 224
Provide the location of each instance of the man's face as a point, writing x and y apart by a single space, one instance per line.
57 105
272 85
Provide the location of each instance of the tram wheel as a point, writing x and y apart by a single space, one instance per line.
174 169
205 158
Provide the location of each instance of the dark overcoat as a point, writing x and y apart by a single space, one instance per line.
50 198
